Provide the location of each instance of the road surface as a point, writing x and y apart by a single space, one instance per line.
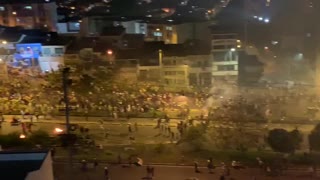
170 173
118 130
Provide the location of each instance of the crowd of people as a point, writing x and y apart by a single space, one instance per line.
34 96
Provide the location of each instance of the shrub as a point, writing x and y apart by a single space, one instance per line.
40 137
281 140
314 137
13 140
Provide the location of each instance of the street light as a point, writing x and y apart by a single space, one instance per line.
4 42
266 20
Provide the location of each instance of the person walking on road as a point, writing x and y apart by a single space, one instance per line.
106 173
136 127
210 165
196 167
95 163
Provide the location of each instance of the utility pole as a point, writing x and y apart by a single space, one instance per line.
65 77
161 66
66 82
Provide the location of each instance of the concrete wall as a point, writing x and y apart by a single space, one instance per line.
45 172
50 63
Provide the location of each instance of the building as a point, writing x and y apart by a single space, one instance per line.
178 33
162 32
24 48
51 57
68 28
33 165
169 33
250 69
177 66
187 71
29 15
233 63
225 52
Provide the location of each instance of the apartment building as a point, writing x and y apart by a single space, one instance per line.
225 49
33 15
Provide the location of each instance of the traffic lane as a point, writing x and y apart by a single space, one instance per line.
167 173
116 134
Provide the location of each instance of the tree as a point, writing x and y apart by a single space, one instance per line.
281 140
194 136
314 137
88 73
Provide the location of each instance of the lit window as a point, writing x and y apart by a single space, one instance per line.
28 7
46 51
169 28
158 34
226 68
58 50
2 8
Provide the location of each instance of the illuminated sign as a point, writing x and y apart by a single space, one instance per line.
27 54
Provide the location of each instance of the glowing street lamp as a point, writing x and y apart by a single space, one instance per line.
4 42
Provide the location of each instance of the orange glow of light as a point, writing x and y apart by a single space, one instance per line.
109 52
22 136
58 130
167 10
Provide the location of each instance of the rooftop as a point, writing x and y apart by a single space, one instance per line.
17 165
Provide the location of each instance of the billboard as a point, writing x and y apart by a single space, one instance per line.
27 55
